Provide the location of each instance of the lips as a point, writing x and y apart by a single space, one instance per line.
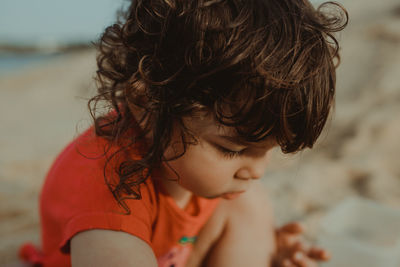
232 195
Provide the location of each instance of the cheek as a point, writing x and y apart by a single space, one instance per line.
206 170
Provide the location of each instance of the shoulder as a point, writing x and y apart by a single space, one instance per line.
83 172
84 154
76 196
77 172
86 167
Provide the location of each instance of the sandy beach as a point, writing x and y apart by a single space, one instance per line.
45 106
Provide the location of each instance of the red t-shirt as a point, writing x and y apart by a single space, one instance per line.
76 198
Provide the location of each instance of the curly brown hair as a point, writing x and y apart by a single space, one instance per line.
264 67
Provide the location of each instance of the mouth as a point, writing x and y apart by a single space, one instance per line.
232 195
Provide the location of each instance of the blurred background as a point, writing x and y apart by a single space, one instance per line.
47 65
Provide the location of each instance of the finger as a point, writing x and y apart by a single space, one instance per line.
287 263
299 246
287 241
318 254
292 228
299 259
291 246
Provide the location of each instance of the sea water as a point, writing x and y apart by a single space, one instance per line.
13 62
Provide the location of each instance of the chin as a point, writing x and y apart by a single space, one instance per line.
212 196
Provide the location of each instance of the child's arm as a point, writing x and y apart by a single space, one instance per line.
110 248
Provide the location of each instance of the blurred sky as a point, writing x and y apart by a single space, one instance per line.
27 21
53 21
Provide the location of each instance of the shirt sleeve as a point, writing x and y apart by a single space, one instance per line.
76 198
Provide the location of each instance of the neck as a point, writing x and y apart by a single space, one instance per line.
180 195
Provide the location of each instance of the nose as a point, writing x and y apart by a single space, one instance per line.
254 168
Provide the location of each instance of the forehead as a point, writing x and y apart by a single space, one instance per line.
201 124
205 126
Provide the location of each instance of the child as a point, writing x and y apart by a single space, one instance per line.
198 93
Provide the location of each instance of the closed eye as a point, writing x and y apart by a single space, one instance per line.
229 153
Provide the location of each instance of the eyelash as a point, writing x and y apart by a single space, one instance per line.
229 153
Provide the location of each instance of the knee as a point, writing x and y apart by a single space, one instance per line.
253 205
250 221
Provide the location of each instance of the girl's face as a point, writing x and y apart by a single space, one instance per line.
218 165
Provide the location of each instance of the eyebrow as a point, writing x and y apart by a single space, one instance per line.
235 140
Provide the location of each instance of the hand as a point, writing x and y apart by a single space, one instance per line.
291 252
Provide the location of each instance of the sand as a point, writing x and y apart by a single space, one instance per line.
43 107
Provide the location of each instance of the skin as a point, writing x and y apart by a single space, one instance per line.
216 166
110 248
292 252
241 231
